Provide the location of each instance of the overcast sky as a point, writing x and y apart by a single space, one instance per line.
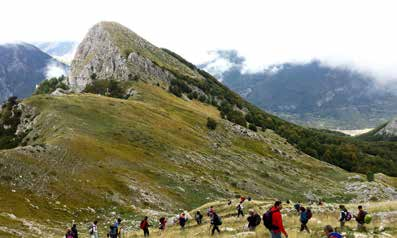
359 33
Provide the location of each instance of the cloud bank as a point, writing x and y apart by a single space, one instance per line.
356 33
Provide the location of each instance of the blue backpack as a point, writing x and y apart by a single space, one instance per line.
335 235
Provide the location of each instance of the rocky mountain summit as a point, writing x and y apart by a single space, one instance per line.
112 51
22 67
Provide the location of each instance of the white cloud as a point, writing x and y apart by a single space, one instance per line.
53 69
361 33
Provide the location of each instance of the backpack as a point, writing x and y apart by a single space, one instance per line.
367 218
335 235
348 216
309 214
219 221
143 225
268 221
113 230
91 230
257 219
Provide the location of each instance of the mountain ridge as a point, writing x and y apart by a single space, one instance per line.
311 94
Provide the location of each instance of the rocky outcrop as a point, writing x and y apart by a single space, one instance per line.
390 130
100 57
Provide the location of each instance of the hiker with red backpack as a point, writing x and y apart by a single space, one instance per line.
305 216
145 226
273 221
344 216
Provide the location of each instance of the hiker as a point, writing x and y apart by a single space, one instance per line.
216 221
69 233
242 199
329 232
93 230
272 220
253 220
360 218
145 226
240 208
74 231
163 223
210 211
297 207
182 220
198 217
344 216
112 231
117 226
305 215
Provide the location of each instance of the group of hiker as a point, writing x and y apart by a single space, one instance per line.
272 220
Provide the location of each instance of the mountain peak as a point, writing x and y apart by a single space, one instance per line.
112 51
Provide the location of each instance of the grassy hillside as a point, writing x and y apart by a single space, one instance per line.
93 156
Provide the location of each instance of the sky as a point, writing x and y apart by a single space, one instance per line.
361 34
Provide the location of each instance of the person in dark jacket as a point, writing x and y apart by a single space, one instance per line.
253 220
182 221
277 221
304 219
145 226
198 217
74 231
163 223
240 208
360 218
215 223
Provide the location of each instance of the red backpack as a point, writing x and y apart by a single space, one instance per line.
143 224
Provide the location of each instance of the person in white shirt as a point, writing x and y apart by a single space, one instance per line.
93 230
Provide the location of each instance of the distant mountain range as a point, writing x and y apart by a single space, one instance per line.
22 67
61 50
311 94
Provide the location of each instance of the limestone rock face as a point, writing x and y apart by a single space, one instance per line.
106 53
97 57
390 129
